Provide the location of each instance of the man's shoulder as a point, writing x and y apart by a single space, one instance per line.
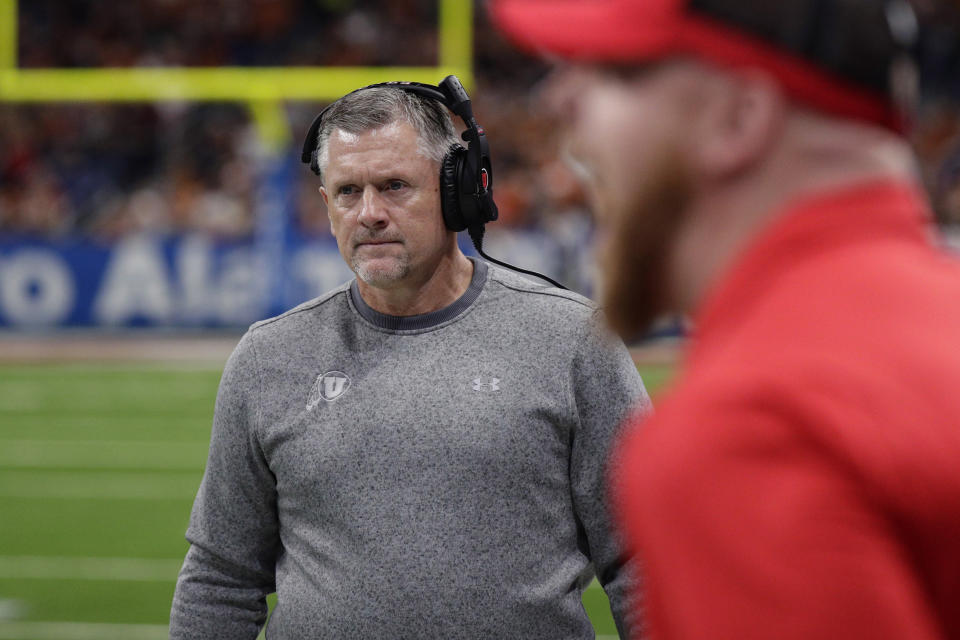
536 295
303 312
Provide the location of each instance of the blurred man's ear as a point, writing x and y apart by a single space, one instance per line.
742 116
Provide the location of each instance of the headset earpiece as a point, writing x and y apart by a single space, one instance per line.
450 169
310 150
465 203
466 176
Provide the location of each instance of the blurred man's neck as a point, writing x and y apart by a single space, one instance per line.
815 154
422 293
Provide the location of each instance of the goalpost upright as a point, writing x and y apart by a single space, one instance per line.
263 89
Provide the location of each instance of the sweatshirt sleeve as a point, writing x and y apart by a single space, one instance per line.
606 387
229 568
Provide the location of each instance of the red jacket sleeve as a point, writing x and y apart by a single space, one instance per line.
746 527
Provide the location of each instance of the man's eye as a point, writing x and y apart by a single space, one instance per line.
347 190
395 185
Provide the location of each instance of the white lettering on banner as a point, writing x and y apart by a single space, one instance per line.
242 287
194 262
319 271
136 284
139 284
200 282
230 290
36 288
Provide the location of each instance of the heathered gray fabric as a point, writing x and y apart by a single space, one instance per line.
427 500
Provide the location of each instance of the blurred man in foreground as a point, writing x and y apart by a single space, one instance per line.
802 480
421 452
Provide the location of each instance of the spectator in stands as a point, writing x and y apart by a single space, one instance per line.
147 145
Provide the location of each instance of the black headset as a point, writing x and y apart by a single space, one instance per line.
466 175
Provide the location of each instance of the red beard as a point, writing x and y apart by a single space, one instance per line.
641 238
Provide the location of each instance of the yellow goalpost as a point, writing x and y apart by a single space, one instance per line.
263 89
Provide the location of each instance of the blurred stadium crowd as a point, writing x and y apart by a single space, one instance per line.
104 170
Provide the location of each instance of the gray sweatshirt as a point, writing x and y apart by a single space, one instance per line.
433 476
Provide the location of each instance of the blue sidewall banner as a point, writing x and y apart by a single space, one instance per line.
186 281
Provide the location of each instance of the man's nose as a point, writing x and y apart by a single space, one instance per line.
373 212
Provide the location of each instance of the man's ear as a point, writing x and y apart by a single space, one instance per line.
326 201
742 116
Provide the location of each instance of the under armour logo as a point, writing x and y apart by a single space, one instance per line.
328 386
486 384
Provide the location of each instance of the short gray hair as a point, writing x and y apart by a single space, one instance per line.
377 107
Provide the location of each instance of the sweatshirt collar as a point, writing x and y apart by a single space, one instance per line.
424 320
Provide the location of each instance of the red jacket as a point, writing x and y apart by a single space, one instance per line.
802 479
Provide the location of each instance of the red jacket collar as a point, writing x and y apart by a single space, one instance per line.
807 227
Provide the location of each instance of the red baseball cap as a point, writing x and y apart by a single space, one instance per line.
624 31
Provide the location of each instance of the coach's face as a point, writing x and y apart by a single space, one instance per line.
383 198
627 135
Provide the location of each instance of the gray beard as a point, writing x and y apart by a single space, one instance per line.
380 277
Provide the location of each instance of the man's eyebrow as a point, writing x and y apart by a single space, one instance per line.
629 70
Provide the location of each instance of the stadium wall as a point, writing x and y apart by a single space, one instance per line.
188 280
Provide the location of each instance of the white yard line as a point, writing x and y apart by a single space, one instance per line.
108 569
85 568
101 631
206 350
99 485
88 568
82 631
79 568
113 454
11 609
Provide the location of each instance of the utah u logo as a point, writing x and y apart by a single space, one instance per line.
329 386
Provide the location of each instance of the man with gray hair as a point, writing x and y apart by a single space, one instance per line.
419 453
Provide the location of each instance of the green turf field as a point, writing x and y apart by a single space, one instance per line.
98 468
